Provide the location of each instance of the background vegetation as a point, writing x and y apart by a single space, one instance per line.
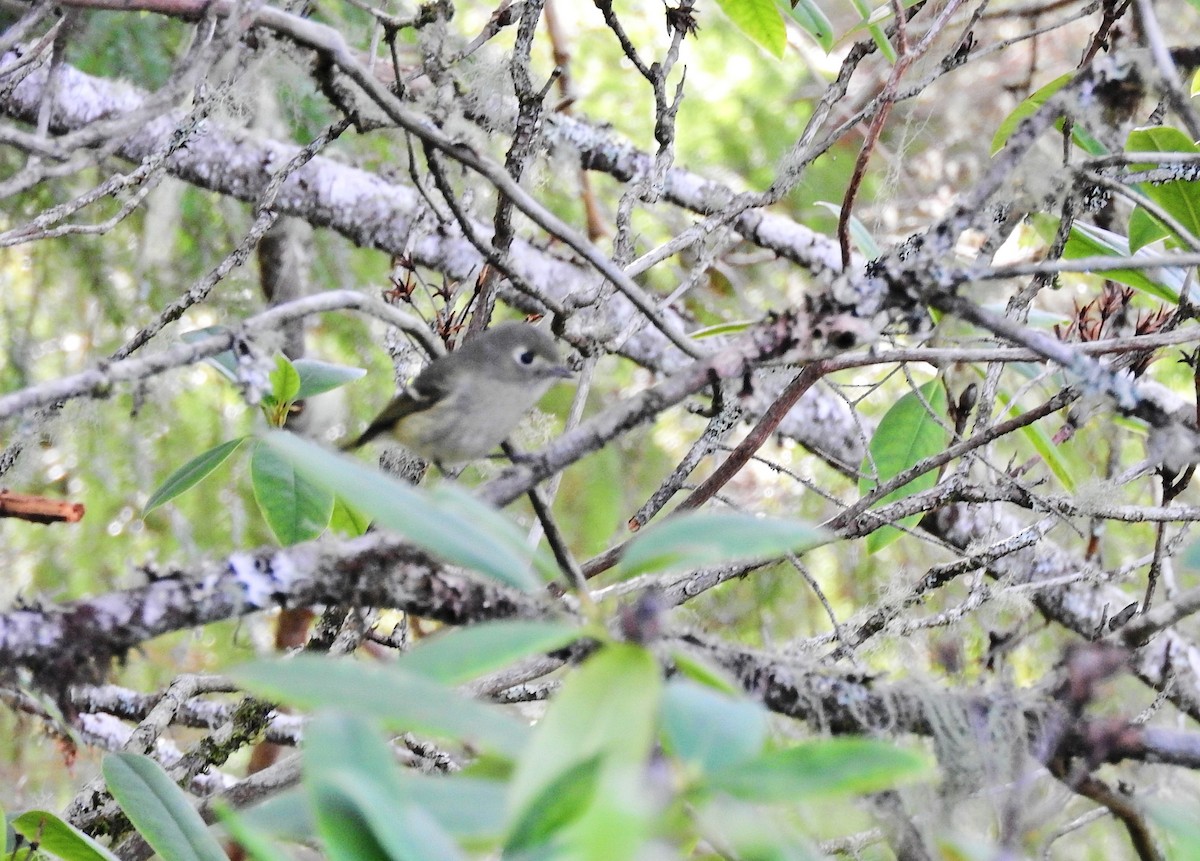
920 275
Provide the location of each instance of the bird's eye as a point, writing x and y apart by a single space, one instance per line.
524 357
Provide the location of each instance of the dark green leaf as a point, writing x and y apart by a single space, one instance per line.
318 377
907 434
191 473
835 766
1027 108
1179 198
399 699
702 538
295 508
159 810
411 512
58 838
458 655
760 20
256 843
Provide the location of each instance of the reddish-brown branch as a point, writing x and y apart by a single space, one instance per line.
39 509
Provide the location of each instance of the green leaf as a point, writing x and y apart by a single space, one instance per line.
562 802
191 473
859 233
608 708
1027 108
1087 240
1180 198
317 377
56 837
346 520
1178 820
812 21
400 699
1144 229
285 380
224 362
907 433
703 538
431 522
458 655
253 840
159 810
760 20
354 783
295 508
711 730
835 766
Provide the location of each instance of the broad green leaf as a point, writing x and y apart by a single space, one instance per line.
285 380
191 473
296 508
834 766
858 231
452 497
906 435
608 708
703 538
711 730
59 838
411 512
562 801
1180 198
760 20
354 782
317 377
812 20
159 810
458 655
400 699
1026 109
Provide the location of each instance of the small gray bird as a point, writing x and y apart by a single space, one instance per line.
463 405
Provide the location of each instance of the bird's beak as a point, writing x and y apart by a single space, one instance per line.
560 371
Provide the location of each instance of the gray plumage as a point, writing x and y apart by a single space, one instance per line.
463 405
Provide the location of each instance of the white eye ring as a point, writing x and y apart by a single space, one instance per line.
524 356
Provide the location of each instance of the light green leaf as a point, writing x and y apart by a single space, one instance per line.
159 810
1026 109
835 766
345 520
400 699
861 237
431 522
458 655
607 708
295 508
906 435
56 837
317 377
285 380
710 730
703 538
191 473
812 20
1144 229
760 20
